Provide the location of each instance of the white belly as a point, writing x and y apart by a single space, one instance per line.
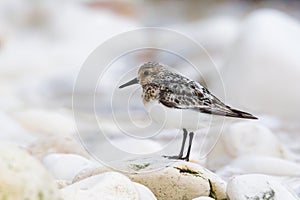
178 118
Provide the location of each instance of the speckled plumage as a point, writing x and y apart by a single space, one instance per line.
179 92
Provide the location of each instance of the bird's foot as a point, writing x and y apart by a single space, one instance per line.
172 157
185 158
177 158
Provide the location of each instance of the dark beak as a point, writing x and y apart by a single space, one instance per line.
133 81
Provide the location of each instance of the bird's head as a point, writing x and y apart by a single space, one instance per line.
146 74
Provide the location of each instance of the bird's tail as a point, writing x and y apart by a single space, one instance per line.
227 111
239 114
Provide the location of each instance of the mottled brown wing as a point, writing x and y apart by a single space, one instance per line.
194 96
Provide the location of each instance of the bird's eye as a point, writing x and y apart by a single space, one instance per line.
146 73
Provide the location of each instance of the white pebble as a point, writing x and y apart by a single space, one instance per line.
246 138
257 186
66 166
145 193
108 186
263 165
23 177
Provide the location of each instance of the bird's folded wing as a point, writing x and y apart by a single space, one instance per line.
201 101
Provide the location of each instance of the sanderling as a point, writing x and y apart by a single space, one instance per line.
176 101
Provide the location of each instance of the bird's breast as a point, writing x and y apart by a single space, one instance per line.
150 93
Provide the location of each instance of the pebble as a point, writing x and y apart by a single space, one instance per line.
183 180
66 166
23 177
108 186
258 187
144 192
246 138
263 165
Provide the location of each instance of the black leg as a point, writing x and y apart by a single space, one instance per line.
182 147
183 143
191 136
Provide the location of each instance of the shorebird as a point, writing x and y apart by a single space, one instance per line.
176 101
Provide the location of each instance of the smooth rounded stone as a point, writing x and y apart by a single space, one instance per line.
263 165
246 138
56 144
144 192
45 122
109 185
182 180
66 166
23 177
258 187
203 198
262 72
175 180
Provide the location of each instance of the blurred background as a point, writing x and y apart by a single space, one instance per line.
43 44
